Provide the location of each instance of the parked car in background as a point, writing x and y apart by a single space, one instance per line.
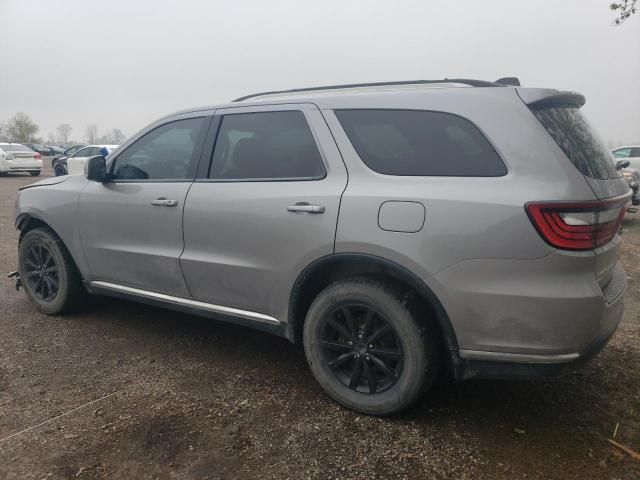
629 152
394 230
59 162
15 157
75 163
41 149
55 149
632 176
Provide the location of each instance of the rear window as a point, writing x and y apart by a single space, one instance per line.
579 141
16 147
420 143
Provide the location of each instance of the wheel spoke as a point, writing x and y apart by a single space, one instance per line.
340 360
378 334
45 288
383 368
30 261
357 373
380 352
348 316
33 274
339 328
54 281
49 261
336 346
52 269
368 322
371 377
50 289
39 286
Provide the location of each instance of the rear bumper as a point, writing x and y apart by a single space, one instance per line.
515 366
531 318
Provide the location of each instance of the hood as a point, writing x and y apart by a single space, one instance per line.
47 181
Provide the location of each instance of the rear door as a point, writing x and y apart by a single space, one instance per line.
265 208
131 226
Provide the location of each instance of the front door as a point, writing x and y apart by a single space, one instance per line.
131 226
267 207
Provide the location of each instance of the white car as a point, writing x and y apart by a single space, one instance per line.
15 157
628 152
75 163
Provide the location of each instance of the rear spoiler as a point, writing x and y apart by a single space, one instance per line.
537 98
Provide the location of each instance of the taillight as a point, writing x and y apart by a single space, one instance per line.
37 156
578 225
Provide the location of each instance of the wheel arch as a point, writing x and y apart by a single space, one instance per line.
323 271
26 222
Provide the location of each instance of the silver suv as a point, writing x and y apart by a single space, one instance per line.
396 230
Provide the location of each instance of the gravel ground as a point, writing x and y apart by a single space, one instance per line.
144 393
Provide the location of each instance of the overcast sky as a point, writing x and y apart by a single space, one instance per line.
122 63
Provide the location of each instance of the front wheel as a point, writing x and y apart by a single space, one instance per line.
48 273
366 348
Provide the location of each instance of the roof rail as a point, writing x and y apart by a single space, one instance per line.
465 81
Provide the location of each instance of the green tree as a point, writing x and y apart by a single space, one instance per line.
624 9
21 128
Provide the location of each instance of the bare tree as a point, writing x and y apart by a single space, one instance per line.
21 128
118 137
51 139
64 130
3 132
624 9
91 133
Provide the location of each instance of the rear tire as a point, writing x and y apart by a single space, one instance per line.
48 273
360 368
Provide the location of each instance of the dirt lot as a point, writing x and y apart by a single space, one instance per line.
192 398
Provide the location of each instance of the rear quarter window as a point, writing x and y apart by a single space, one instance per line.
420 143
579 141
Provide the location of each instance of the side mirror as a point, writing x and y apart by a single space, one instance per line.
620 164
96 169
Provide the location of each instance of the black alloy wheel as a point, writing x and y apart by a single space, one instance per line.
42 273
361 348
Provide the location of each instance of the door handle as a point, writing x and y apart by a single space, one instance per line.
304 207
164 202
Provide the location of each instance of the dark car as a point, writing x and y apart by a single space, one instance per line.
59 162
55 149
41 149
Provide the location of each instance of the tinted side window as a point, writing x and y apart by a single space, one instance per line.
420 143
635 152
84 152
165 153
266 145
